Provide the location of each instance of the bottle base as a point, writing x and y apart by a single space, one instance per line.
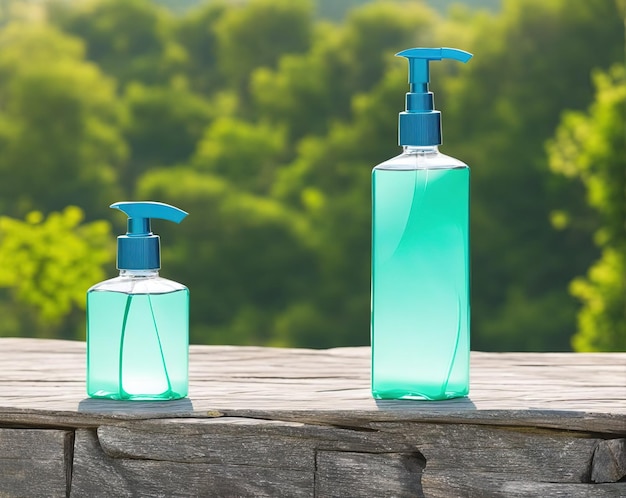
122 396
416 395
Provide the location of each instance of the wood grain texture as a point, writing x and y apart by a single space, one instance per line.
550 456
609 461
34 462
457 484
285 422
376 463
44 380
229 435
269 449
341 474
98 475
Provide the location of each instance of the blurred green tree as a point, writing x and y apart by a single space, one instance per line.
330 183
310 91
131 40
534 63
162 128
59 122
265 123
339 104
47 265
196 32
241 255
245 154
258 34
591 147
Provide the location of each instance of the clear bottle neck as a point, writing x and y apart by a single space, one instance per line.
139 273
420 149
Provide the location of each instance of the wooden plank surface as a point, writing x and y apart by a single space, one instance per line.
460 484
285 422
44 381
609 461
96 474
343 473
35 462
224 457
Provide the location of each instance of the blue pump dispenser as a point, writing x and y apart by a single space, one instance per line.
140 249
420 124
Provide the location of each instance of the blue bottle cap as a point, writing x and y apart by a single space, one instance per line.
140 249
420 124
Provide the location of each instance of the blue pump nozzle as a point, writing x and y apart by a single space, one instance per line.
140 249
420 123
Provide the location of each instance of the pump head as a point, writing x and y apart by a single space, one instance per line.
420 123
140 249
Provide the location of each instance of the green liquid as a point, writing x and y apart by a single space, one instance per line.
420 284
138 345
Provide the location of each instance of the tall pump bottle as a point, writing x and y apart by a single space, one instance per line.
420 254
138 322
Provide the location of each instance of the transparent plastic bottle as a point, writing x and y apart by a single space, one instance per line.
420 276
420 253
138 338
138 323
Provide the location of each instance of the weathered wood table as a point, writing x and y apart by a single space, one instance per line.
287 422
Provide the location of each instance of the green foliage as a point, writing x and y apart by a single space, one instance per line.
241 255
257 35
312 90
590 147
129 39
243 153
196 33
264 123
602 320
163 127
535 63
59 121
49 263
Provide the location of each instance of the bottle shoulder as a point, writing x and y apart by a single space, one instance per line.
420 160
142 285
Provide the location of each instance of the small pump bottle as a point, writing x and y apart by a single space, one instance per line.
138 323
420 254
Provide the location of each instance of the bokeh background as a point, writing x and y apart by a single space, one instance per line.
264 118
